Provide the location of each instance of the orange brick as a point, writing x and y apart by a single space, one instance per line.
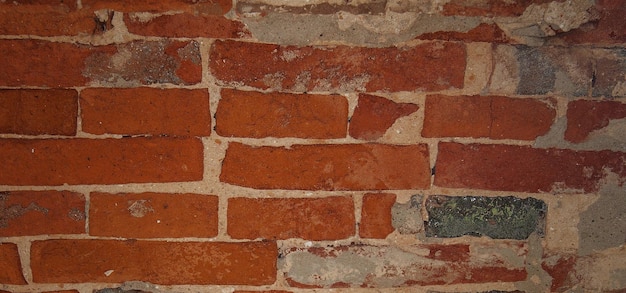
374 115
36 112
490 33
41 212
583 117
44 18
254 114
11 272
167 263
176 112
329 218
187 25
194 6
153 215
328 167
376 215
486 116
524 169
100 161
264 66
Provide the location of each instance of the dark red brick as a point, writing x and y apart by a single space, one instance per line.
176 112
376 215
374 115
100 161
487 116
44 18
153 215
263 8
489 7
202 7
583 117
11 272
37 112
341 68
329 218
187 25
254 114
41 213
483 32
524 169
203 263
327 167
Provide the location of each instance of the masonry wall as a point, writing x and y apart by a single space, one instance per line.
312 146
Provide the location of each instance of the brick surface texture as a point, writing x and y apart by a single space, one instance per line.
312 146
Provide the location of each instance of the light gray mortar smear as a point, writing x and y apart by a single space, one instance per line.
612 137
407 217
603 224
538 280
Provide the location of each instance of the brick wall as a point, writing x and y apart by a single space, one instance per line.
312 146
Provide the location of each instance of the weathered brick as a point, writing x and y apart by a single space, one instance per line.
489 7
486 116
11 272
376 215
145 62
204 7
41 212
177 112
584 117
186 25
370 266
374 115
525 169
265 66
369 7
608 28
153 215
113 261
255 114
49 18
262 291
483 32
560 268
495 217
38 112
100 161
327 167
63 291
329 218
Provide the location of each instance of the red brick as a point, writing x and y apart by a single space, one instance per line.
489 7
177 112
608 28
483 32
153 215
44 18
100 161
263 291
328 167
36 112
374 115
376 215
205 7
441 66
561 271
524 169
583 117
11 272
254 114
187 25
329 218
41 212
86 261
486 116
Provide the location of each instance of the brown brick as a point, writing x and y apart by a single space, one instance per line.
86 261
524 169
36 112
486 116
254 114
186 25
483 32
374 115
31 62
583 117
205 7
176 112
153 215
328 167
11 272
41 212
100 161
489 7
561 268
376 215
44 18
329 218
262 291
341 68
